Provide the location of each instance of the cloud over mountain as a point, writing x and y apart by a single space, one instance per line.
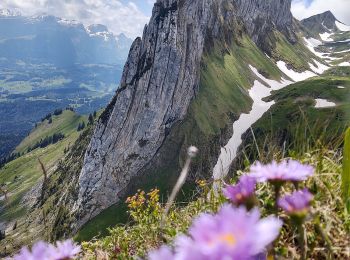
120 16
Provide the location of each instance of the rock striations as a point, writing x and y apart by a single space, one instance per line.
160 79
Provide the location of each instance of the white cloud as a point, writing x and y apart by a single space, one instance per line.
340 8
118 15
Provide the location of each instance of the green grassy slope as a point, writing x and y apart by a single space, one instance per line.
66 123
346 170
294 118
24 173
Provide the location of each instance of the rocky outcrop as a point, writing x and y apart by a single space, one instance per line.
160 79
320 23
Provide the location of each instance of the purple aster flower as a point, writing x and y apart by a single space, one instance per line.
241 192
45 251
296 203
279 172
234 233
163 253
66 250
40 250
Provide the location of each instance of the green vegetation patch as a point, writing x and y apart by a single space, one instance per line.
66 123
346 170
24 173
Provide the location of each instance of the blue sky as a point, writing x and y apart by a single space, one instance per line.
130 16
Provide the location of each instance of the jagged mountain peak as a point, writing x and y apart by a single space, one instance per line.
321 23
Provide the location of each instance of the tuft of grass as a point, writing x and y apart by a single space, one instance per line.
346 171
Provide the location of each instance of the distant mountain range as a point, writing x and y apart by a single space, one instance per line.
48 63
58 41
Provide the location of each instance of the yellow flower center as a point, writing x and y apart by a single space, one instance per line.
227 239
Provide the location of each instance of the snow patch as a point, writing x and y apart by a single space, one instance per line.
344 51
320 67
322 103
344 64
314 42
295 76
326 37
245 121
345 41
311 44
342 27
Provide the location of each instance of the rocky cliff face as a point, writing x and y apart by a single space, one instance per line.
321 23
160 79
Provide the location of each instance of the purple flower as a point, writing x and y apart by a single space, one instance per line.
279 172
66 250
45 251
241 192
163 253
296 203
234 233
40 250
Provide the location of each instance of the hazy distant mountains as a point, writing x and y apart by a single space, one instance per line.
54 40
47 63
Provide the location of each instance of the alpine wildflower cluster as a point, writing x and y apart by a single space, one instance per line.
237 231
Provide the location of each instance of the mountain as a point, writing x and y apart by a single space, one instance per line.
58 41
204 73
49 63
171 95
324 23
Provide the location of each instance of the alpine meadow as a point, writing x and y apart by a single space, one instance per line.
221 133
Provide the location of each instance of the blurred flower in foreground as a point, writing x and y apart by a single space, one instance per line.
298 203
163 253
281 172
242 191
66 250
233 233
44 251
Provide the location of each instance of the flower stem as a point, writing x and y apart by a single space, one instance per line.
302 241
325 237
277 195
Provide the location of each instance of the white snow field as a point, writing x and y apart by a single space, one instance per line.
320 67
342 27
262 88
344 64
295 76
322 103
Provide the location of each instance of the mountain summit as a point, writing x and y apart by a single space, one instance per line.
321 23
162 77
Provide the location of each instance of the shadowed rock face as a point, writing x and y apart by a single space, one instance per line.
321 23
160 78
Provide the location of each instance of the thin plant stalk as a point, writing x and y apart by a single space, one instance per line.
302 241
192 152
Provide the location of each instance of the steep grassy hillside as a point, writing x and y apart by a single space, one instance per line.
294 121
25 173
346 170
66 123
